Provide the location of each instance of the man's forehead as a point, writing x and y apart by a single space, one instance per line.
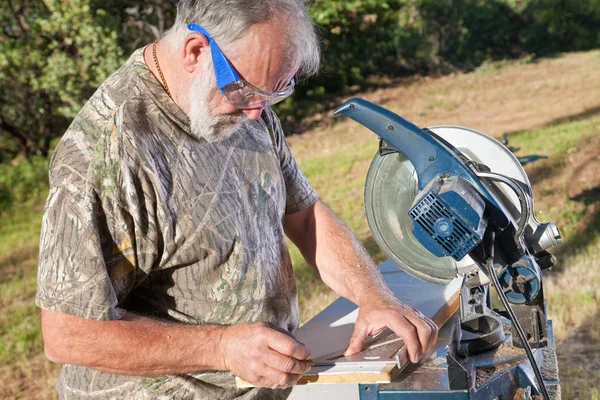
264 51
263 37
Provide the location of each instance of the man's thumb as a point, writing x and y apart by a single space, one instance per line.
357 341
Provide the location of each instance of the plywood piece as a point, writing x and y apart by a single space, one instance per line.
350 374
374 371
330 330
382 349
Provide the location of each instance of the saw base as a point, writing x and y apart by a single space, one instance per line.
502 372
429 380
505 380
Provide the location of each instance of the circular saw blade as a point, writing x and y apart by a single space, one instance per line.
390 189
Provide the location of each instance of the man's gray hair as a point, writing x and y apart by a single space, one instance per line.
229 20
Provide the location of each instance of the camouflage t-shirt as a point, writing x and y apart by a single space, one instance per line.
142 216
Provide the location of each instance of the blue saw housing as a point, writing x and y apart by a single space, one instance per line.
431 156
448 217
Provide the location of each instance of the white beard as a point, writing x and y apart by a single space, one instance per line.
204 125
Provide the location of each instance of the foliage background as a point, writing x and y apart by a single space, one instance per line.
54 53
490 59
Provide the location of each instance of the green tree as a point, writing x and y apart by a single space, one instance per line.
53 55
139 21
464 33
561 25
360 37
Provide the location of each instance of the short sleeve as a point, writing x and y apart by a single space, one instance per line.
299 192
87 262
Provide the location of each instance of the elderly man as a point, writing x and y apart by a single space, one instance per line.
163 266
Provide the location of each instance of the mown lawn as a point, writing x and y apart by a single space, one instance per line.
549 107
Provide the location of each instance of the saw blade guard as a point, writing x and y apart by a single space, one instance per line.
390 189
392 185
435 175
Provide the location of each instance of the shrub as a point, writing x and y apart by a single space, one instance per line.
23 182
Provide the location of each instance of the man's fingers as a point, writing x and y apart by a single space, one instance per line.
405 329
274 379
417 331
358 339
425 332
264 356
285 364
434 334
287 345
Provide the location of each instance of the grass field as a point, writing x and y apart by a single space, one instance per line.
549 107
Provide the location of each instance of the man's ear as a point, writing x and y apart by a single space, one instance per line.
195 48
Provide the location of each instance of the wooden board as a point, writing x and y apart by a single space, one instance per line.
382 348
375 371
330 330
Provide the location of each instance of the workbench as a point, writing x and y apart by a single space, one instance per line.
332 328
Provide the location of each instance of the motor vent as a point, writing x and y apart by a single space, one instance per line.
448 218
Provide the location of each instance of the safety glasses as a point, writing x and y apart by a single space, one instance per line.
237 91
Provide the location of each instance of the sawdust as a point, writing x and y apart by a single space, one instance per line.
436 362
507 352
483 374
520 393
550 365
554 392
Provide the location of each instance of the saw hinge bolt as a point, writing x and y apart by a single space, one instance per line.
431 158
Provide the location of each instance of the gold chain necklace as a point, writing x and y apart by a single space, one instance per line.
162 77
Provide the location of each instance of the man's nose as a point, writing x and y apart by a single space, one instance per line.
253 113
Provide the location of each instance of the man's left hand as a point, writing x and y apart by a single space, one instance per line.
418 332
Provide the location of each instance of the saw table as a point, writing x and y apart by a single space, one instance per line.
331 329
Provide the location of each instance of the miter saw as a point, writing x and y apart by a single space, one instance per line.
449 201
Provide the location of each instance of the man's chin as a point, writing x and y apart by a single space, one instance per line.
219 131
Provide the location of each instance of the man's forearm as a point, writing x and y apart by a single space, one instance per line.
345 266
133 345
339 257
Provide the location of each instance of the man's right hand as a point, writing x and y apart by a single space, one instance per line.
264 355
